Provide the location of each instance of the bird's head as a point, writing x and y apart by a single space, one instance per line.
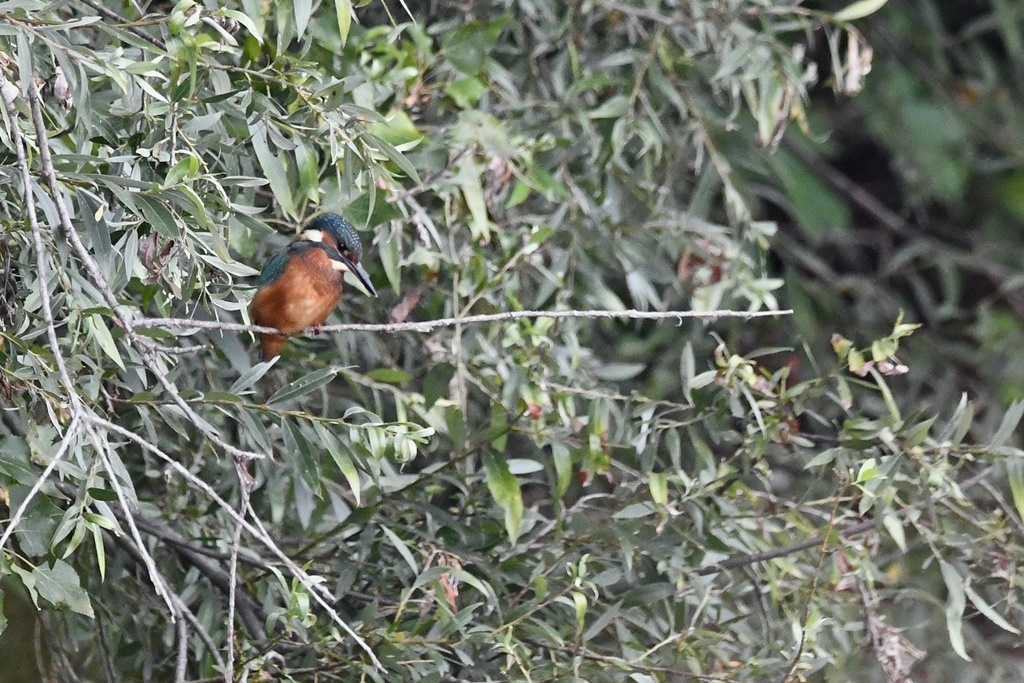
337 232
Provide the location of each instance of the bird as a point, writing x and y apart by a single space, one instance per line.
301 284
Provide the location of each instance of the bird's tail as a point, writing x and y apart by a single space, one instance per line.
272 345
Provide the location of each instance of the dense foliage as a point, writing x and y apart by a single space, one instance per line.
834 494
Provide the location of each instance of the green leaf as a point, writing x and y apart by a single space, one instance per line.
61 588
823 458
955 604
466 91
389 376
858 10
504 487
273 168
396 157
657 482
635 511
343 10
403 549
895 528
303 385
455 422
184 169
391 258
245 21
300 454
103 337
309 171
252 375
1011 418
343 459
104 495
989 611
435 385
1015 472
561 457
101 553
468 179
303 9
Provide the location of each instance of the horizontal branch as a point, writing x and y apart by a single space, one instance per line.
430 325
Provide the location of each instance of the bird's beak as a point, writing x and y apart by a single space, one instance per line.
356 268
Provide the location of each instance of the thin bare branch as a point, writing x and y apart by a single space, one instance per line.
69 436
431 325
37 239
245 482
154 575
100 280
117 18
315 589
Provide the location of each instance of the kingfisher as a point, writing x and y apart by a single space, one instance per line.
301 284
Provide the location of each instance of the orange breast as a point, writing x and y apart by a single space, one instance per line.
304 295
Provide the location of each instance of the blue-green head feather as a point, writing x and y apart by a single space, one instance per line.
343 232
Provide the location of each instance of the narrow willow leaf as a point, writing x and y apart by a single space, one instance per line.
989 611
301 456
435 385
251 376
1010 421
895 529
657 482
468 179
403 549
858 10
273 168
303 385
102 336
343 459
303 9
955 604
505 489
101 553
343 8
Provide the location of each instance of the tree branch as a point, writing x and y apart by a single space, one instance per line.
114 16
431 325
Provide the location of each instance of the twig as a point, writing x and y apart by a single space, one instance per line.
113 16
181 664
68 438
430 325
159 584
245 483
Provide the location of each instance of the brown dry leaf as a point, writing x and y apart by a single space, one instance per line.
858 62
895 654
400 312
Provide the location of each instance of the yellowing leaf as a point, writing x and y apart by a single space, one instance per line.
858 10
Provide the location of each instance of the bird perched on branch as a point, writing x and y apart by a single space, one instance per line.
301 285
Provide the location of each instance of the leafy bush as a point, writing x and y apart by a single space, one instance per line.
551 497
